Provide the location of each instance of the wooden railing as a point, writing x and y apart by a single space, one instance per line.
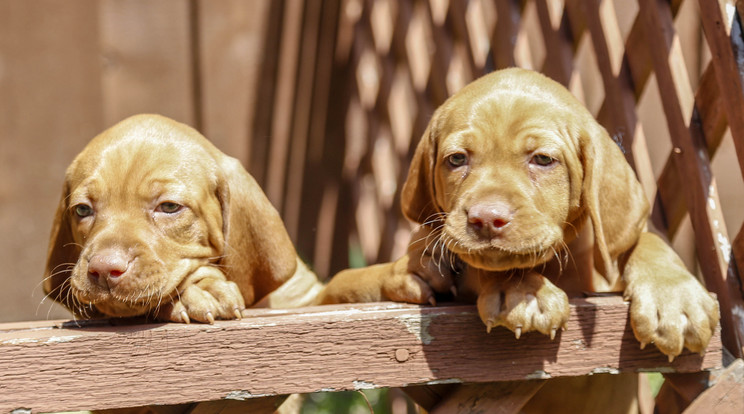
104 364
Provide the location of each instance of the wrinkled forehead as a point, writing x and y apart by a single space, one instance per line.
141 160
505 113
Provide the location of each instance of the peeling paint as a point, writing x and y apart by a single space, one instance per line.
18 341
351 312
539 374
661 370
605 370
50 340
246 323
725 246
243 395
711 194
579 344
419 326
444 381
364 385
61 339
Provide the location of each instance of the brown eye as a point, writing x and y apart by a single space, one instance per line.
457 159
542 160
83 210
169 207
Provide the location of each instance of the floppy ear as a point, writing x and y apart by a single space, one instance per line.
613 197
258 253
417 196
62 255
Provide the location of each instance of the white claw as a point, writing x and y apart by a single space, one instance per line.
643 345
237 314
552 334
210 318
518 332
185 317
671 358
489 325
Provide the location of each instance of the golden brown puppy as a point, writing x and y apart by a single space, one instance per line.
517 188
154 220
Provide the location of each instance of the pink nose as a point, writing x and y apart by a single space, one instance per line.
489 219
107 266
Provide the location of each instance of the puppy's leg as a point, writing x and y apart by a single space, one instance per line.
414 278
386 281
204 296
668 306
522 303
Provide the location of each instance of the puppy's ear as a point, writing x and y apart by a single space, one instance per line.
417 196
258 253
62 255
613 197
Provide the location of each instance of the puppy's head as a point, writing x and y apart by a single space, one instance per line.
144 205
510 166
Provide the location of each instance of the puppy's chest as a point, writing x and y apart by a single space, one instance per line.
571 270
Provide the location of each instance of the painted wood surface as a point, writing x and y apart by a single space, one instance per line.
58 365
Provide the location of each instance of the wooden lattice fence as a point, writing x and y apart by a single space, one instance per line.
395 62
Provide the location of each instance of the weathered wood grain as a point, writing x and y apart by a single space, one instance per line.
56 365
725 396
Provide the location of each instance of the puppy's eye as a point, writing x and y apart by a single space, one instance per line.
169 207
83 210
457 159
542 160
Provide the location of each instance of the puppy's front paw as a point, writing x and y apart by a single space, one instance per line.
205 300
402 285
522 304
426 268
672 313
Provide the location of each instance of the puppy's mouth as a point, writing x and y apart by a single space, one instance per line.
136 292
500 254
496 259
120 303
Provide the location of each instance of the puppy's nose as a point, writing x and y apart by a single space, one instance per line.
107 267
489 219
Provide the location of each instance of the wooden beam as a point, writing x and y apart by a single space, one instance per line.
60 365
726 394
502 398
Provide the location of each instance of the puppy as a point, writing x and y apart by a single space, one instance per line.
156 221
523 199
